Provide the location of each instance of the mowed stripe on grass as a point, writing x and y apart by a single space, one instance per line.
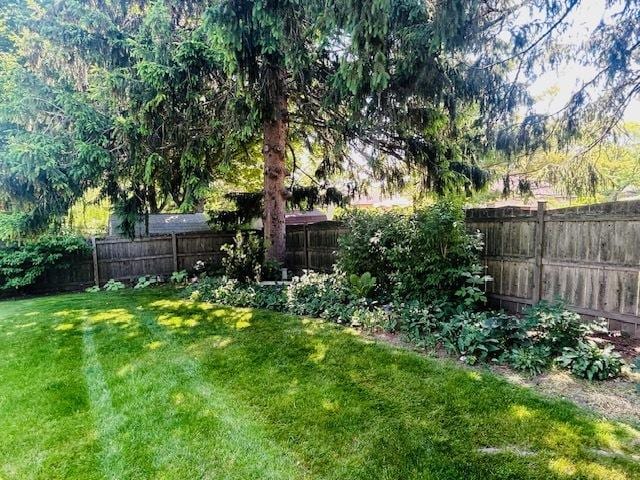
146 385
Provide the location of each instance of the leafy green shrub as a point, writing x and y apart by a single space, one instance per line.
373 319
468 335
146 281
112 286
371 243
179 277
362 286
244 259
236 294
555 326
472 293
23 265
588 360
425 256
321 295
417 321
532 359
441 254
510 331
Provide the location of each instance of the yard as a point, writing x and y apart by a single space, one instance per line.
144 384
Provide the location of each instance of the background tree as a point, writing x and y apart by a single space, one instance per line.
115 95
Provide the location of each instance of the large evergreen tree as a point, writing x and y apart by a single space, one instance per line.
145 99
388 79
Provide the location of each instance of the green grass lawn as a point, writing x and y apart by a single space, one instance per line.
146 385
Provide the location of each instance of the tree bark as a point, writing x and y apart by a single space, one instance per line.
275 128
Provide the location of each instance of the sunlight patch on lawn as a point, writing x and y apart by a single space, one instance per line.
156 344
26 325
114 316
320 351
521 412
178 321
63 327
595 471
563 466
180 304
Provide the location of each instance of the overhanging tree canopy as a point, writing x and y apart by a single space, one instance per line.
144 99
147 99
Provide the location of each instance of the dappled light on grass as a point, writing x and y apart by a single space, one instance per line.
63 327
191 390
154 345
520 412
319 352
114 316
26 325
179 321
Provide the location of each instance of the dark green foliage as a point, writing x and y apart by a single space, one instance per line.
418 322
427 255
243 260
532 359
21 265
150 101
555 327
472 336
322 295
362 286
237 294
588 360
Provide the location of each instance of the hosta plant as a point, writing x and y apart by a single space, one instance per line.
532 360
588 360
112 285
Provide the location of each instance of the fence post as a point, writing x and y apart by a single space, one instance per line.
537 268
96 273
174 249
306 247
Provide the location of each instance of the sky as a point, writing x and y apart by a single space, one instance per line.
567 79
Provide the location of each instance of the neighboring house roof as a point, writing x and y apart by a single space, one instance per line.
165 223
299 217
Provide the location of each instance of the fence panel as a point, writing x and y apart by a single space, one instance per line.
313 246
588 256
192 247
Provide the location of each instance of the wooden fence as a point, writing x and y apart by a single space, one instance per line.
313 246
587 256
126 260
308 247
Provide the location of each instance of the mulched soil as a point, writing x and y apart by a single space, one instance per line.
626 346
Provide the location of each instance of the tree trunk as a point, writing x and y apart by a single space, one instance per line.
275 171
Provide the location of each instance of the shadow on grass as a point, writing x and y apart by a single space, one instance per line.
356 409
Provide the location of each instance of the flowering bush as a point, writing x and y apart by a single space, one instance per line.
428 255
